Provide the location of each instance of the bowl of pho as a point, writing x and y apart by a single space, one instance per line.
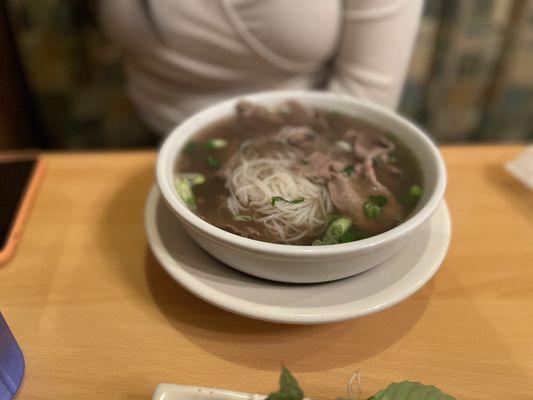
300 186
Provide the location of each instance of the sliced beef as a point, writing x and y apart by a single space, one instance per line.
257 117
346 195
299 136
368 149
302 115
371 147
249 230
388 166
349 194
320 167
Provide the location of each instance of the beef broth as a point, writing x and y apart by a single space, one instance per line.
368 176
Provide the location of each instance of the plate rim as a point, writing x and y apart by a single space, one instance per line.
165 389
268 313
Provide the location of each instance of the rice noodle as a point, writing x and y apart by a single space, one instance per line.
255 180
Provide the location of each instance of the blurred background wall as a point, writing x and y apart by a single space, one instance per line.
471 77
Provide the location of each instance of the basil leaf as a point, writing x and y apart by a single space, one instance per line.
410 391
288 387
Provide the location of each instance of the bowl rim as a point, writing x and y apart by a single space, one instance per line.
165 177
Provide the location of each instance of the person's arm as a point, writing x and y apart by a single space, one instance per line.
375 47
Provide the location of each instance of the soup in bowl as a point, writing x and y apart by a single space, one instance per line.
300 186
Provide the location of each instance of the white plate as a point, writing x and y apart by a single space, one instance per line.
366 293
168 391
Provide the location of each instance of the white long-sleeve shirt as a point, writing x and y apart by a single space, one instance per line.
182 55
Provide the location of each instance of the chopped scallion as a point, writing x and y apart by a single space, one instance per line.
275 199
212 162
349 170
352 236
194 178
330 240
190 147
415 191
184 190
333 217
214 144
371 210
381 201
372 207
338 228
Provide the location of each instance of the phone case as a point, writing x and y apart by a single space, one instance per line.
25 205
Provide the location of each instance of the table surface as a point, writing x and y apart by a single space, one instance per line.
97 317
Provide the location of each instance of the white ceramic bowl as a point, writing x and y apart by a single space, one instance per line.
304 264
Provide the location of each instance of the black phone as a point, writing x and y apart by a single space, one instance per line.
19 177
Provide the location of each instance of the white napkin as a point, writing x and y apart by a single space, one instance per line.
522 167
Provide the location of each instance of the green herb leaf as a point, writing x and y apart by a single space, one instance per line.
349 170
190 147
275 199
410 391
288 387
212 162
415 191
393 159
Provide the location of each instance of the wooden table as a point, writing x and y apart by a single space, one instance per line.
98 318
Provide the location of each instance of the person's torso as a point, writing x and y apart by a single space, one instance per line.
215 48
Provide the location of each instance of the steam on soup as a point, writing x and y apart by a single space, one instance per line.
297 175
